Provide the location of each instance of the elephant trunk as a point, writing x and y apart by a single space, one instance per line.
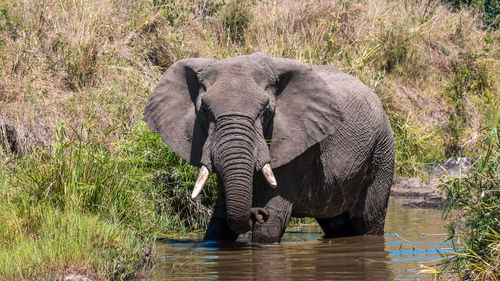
233 155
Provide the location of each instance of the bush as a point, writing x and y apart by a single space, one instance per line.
235 17
172 179
475 221
470 78
415 152
489 8
93 208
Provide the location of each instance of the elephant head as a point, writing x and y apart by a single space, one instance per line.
238 116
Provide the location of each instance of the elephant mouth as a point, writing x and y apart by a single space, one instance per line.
259 215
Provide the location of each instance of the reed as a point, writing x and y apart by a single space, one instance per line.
474 222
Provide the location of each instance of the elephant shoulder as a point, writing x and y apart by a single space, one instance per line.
347 86
351 92
339 80
326 69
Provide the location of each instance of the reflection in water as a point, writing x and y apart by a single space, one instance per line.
413 237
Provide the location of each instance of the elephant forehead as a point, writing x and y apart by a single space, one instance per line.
236 68
236 86
233 96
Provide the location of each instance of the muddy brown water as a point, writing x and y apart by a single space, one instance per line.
413 238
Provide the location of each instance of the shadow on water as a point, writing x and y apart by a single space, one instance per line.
414 237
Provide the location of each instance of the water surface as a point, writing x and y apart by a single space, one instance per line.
413 237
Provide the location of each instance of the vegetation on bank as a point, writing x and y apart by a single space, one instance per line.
79 207
90 199
475 222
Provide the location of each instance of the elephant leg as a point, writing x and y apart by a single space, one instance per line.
368 215
218 228
338 226
279 211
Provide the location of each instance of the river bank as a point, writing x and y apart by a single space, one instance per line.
414 193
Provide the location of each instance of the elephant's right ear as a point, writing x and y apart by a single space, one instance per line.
172 109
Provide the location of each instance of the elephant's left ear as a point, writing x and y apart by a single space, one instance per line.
307 111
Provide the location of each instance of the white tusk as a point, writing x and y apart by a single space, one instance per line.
268 174
200 182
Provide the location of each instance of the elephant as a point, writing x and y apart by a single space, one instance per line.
284 139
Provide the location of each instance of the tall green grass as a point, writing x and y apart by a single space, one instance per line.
475 221
87 207
46 242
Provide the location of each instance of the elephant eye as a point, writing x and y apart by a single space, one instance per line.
266 110
206 111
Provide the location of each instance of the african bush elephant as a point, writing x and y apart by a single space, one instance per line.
320 137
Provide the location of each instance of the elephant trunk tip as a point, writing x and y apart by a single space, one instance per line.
240 226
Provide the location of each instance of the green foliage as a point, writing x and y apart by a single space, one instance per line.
415 152
489 8
66 239
86 176
475 199
471 78
172 178
79 202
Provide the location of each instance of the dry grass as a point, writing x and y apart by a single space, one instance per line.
94 63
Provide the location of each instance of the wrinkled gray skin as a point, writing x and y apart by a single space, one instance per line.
324 133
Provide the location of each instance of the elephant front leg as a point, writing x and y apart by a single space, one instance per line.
270 222
218 228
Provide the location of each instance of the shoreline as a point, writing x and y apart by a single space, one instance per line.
411 192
